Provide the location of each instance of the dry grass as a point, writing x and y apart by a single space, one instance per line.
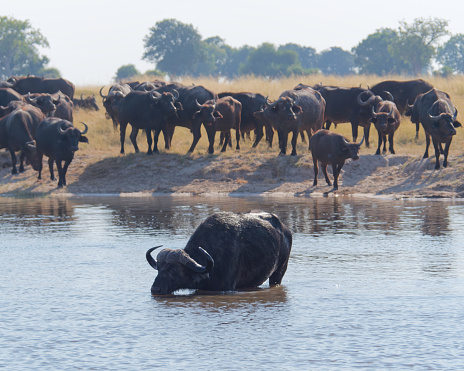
104 141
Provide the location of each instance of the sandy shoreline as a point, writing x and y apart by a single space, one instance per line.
138 175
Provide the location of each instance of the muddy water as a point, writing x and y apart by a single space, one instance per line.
371 284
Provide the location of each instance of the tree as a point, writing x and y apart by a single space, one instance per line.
214 57
416 45
266 60
373 54
451 54
18 48
174 47
126 71
336 61
306 55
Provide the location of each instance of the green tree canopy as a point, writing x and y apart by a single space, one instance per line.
266 60
19 44
336 61
416 45
373 54
451 54
306 55
174 47
127 71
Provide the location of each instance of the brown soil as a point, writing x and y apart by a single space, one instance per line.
236 174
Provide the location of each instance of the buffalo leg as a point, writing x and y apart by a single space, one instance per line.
283 139
61 181
51 160
379 143
168 132
427 145
327 125
336 172
122 136
354 130
276 277
324 171
21 161
13 161
316 170
436 146
40 157
390 142
445 153
294 140
269 134
196 131
259 133
155 140
226 140
237 138
417 130
367 129
133 138
149 140
211 133
384 139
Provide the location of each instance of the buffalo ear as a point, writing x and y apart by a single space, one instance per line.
83 139
457 124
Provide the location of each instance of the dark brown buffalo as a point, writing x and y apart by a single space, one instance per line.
294 111
58 139
111 101
148 85
64 108
147 111
11 107
34 84
352 105
228 118
8 95
17 132
386 119
403 92
330 148
88 103
437 114
191 116
251 103
228 251
46 102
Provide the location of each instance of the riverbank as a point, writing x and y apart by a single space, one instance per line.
235 174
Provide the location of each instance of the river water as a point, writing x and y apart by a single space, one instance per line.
371 284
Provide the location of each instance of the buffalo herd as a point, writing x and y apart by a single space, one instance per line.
36 118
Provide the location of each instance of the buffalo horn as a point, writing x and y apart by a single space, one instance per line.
362 141
430 115
150 259
368 101
82 98
60 129
29 99
194 266
31 144
390 96
373 110
198 104
153 96
86 128
175 93
103 96
391 112
455 113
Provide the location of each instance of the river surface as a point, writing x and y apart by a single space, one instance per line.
371 284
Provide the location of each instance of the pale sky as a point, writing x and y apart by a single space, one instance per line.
90 39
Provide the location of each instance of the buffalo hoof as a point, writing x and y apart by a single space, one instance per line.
377 153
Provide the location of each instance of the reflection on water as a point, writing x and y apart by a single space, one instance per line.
370 284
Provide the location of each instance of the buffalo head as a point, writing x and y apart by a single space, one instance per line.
69 136
206 112
444 122
177 270
283 110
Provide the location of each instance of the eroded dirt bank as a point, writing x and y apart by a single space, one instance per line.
236 174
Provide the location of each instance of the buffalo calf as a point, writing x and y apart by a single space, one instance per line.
334 149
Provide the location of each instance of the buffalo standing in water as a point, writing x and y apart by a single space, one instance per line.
228 251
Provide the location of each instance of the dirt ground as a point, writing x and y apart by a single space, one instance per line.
393 176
